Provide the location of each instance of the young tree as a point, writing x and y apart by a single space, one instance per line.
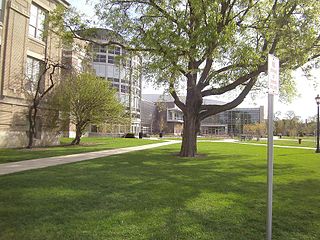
255 129
37 90
86 99
161 109
41 76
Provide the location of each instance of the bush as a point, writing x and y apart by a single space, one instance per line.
129 135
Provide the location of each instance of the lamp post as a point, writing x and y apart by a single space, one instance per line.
318 127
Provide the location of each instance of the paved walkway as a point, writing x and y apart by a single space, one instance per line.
7 168
220 141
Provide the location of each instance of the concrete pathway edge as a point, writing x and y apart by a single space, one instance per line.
13 167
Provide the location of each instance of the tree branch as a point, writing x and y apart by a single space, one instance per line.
236 83
208 110
176 98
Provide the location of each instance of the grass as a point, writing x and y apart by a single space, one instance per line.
292 142
309 138
86 145
156 195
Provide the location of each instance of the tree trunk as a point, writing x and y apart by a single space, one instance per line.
31 131
189 138
77 139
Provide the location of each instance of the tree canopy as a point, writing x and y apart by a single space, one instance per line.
213 47
218 41
85 99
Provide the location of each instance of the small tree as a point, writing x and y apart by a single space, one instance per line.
161 110
36 91
86 99
256 129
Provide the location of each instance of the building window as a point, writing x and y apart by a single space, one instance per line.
124 81
124 99
111 59
33 71
113 79
117 51
115 86
102 49
36 21
114 50
124 89
100 58
99 49
111 50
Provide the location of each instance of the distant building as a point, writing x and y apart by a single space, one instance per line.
123 70
231 122
114 64
23 49
147 116
160 114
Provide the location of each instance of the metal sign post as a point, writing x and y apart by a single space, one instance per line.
273 77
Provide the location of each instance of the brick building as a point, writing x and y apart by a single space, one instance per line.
23 49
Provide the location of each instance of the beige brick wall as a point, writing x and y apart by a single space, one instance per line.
16 45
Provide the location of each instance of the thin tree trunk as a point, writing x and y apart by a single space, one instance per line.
32 115
77 139
189 139
31 127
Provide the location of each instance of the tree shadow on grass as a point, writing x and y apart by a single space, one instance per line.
152 195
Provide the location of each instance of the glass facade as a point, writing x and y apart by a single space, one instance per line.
232 121
123 71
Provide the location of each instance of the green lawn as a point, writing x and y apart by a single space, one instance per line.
292 142
86 145
156 195
310 138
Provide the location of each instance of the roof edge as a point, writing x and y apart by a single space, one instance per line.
64 2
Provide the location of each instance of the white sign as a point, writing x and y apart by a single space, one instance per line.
273 74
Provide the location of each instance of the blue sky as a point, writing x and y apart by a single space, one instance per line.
303 106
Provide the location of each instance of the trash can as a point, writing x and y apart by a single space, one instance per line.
300 140
160 134
140 135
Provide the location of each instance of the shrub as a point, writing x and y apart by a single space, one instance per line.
129 135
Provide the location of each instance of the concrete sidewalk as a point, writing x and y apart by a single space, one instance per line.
7 168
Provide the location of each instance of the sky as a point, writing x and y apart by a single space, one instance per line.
303 105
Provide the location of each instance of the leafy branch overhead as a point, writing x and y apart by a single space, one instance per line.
224 44
213 47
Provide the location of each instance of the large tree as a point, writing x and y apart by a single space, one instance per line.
85 99
213 47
